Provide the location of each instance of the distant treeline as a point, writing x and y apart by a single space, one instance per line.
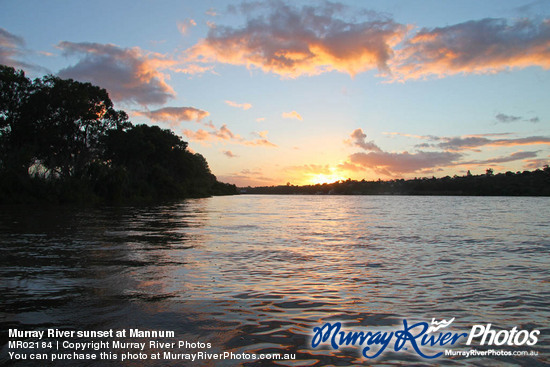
62 141
526 183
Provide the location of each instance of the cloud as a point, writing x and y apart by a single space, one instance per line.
536 163
128 74
476 141
530 140
311 169
473 142
477 46
229 154
11 46
184 26
174 114
260 119
212 12
261 134
503 159
225 134
309 40
507 118
247 177
510 118
350 167
244 106
449 152
292 115
358 139
192 69
398 163
259 142
391 163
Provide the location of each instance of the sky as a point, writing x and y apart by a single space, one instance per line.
306 92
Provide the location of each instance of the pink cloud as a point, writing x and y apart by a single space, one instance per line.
358 138
229 154
350 167
392 164
503 159
475 142
247 177
405 162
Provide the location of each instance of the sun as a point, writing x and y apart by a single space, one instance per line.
322 178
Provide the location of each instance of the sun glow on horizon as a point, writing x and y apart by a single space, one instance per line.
322 178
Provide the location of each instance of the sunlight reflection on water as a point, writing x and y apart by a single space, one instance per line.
257 273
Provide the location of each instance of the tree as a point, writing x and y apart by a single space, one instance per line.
70 120
15 151
158 160
81 147
54 123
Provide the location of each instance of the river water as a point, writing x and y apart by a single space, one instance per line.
256 274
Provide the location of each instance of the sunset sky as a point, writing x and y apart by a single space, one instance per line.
272 92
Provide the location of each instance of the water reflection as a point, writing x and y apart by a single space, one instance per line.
256 273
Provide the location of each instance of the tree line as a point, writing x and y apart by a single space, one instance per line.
526 183
63 141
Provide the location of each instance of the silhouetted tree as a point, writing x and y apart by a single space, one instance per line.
63 139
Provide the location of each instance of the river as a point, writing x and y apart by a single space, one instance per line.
255 274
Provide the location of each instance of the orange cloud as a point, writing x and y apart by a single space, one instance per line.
244 106
259 142
174 114
480 46
292 115
128 74
192 69
225 134
199 135
293 41
312 169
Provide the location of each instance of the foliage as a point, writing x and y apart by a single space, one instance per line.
62 140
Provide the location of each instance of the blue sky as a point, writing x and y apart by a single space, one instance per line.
309 92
